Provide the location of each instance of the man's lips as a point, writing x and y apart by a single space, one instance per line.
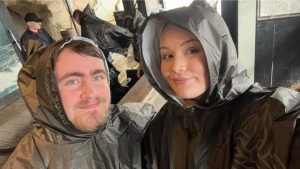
90 105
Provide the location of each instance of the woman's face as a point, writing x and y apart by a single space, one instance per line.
183 62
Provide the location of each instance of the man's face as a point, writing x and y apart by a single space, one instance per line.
32 25
83 88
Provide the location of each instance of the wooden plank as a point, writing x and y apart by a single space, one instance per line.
143 92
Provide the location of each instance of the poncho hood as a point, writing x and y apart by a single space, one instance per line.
228 77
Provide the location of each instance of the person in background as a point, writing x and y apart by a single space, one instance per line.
296 86
134 24
109 38
66 90
34 32
215 116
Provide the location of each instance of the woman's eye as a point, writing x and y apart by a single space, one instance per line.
192 50
166 56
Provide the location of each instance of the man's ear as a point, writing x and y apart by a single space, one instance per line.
28 24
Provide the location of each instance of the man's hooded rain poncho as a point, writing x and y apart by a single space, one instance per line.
55 143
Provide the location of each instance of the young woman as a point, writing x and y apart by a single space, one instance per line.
215 117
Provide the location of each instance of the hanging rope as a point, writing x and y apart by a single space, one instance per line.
71 15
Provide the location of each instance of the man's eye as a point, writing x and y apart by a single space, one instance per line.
72 82
98 77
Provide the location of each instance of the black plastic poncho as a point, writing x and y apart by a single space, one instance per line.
54 143
236 125
107 36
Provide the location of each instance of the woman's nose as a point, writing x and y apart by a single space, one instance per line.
179 64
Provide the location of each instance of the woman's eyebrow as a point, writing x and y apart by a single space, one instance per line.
189 41
163 47
182 44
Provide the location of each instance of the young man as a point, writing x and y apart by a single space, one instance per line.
34 32
67 91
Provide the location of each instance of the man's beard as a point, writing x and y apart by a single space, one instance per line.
93 119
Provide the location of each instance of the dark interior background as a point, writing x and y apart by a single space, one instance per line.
277 51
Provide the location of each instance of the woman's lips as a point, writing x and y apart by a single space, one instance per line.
180 80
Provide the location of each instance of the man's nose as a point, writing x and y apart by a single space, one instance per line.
88 90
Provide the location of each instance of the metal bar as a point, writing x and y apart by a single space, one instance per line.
71 15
